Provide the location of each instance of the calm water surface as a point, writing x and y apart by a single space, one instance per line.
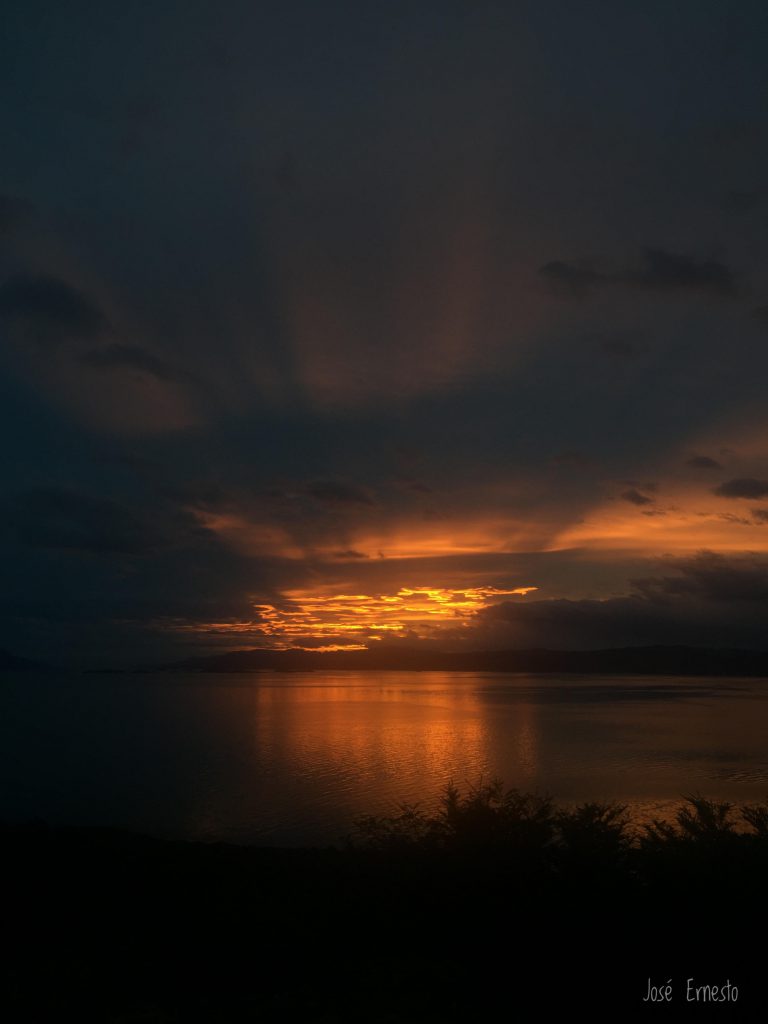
286 758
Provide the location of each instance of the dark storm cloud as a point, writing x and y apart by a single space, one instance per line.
562 623
336 492
49 517
635 497
14 213
571 277
571 459
48 309
620 347
196 493
131 358
349 553
744 200
742 487
330 214
670 271
660 270
710 595
285 174
712 577
760 515
139 464
413 486
703 462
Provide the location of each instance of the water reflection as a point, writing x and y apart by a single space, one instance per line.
296 757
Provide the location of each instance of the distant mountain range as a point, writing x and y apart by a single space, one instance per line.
620 661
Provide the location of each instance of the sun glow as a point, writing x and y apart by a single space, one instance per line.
317 620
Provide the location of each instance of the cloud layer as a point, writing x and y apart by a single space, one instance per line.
358 299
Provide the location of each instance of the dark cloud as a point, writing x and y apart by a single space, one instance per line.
712 577
347 268
336 492
200 494
744 200
660 270
634 497
760 515
742 487
14 213
50 517
565 624
724 599
130 358
286 173
349 553
571 277
729 517
413 486
48 309
643 485
573 459
129 460
618 347
671 271
703 462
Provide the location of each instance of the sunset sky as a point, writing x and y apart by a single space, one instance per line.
344 324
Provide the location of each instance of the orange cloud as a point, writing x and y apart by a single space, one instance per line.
399 538
351 621
683 518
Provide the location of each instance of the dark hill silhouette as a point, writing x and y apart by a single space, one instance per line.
620 661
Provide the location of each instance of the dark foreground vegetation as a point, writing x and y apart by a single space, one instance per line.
499 905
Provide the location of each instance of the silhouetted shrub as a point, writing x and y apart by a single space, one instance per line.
431 910
698 821
756 816
596 838
486 817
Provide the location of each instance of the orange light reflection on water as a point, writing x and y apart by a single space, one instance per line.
406 738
